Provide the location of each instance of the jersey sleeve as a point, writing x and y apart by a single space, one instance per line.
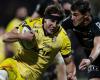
66 46
97 28
24 26
30 24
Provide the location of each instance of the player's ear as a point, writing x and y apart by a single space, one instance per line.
86 15
44 21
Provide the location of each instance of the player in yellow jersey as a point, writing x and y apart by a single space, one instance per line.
41 39
21 14
2 45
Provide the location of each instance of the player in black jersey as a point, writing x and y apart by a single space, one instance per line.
87 30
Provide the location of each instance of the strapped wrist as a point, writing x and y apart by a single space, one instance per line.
91 59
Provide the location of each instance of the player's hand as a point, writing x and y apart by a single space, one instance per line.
84 64
70 76
27 36
14 30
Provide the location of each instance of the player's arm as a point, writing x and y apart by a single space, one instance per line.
68 58
96 50
71 68
94 54
14 36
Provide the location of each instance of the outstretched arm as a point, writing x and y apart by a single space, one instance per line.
96 50
94 54
71 68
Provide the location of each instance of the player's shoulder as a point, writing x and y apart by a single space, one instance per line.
63 33
31 22
14 22
96 22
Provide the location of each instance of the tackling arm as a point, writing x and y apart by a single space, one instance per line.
71 68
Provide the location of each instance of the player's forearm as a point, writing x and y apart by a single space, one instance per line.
96 50
11 37
70 66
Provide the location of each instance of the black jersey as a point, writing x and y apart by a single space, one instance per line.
85 34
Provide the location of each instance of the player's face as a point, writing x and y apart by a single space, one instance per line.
77 18
50 26
21 13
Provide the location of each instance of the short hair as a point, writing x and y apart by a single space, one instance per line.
81 6
53 9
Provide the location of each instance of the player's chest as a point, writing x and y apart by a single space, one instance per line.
46 42
85 37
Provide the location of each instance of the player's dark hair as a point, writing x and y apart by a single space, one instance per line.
81 6
53 9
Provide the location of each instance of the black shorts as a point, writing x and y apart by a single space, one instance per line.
93 71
